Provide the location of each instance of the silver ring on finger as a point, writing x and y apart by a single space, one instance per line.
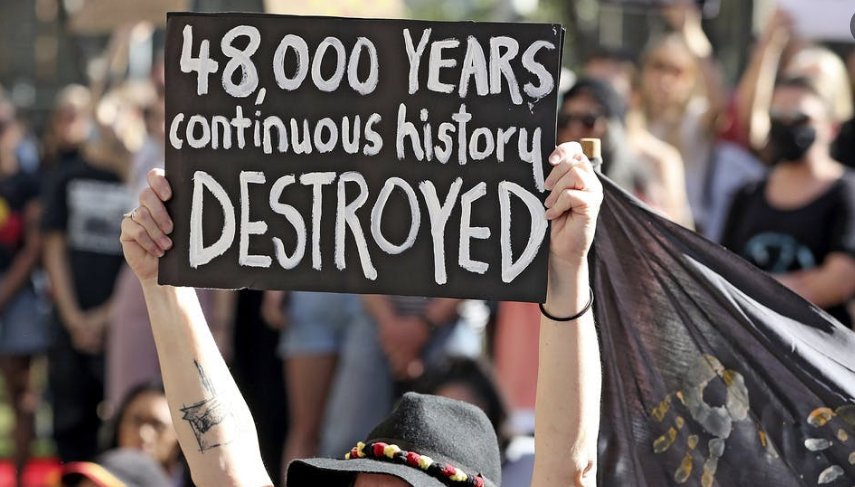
131 214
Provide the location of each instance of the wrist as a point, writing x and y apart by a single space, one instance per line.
567 266
567 317
149 282
70 316
568 288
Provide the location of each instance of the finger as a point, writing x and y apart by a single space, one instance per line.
581 177
157 210
133 232
569 180
574 178
571 200
158 183
144 218
558 172
561 168
564 151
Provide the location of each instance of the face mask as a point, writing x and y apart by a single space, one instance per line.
790 143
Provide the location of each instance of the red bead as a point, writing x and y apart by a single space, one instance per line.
413 459
379 449
479 481
449 470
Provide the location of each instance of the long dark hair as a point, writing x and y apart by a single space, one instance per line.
114 425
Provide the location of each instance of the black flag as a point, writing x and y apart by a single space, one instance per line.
715 374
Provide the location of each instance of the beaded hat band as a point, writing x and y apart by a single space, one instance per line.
392 453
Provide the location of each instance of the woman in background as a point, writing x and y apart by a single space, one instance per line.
143 423
23 333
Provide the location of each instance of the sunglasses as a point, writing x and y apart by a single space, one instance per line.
588 120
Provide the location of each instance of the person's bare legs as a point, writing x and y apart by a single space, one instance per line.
308 379
16 376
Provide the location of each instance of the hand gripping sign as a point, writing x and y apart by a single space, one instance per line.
359 155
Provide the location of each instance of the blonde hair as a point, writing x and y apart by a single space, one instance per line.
73 96
670 41
829 76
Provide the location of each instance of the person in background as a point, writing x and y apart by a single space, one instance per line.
84 200
383 344
131 359
681 97
593 109
23 325
416 332
799 222
225 451
844 146
259 374
473 381
780 51
88 474
850 67
316 328
615 67
116 468
130 352
143 423
68 127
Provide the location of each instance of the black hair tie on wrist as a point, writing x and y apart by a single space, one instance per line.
569 318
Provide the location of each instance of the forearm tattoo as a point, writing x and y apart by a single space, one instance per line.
209 417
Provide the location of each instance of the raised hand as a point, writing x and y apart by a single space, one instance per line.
572 205
145 230
684 16
779 29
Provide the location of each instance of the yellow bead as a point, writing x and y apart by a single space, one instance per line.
459 477
391 450
425 462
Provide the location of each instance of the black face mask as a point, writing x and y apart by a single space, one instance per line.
790 142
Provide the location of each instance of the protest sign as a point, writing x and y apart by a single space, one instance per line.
359 155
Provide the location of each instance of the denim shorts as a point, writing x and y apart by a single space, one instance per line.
24 324
317 323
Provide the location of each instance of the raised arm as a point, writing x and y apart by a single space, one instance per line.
754 92
684 16
569 375
215 428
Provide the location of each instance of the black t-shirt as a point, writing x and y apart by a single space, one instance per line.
780 241
844 146
16 192
86 204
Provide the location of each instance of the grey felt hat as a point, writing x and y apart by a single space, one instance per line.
427 441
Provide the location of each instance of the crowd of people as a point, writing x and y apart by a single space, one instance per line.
765 168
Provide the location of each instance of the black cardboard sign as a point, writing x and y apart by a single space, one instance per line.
359 155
